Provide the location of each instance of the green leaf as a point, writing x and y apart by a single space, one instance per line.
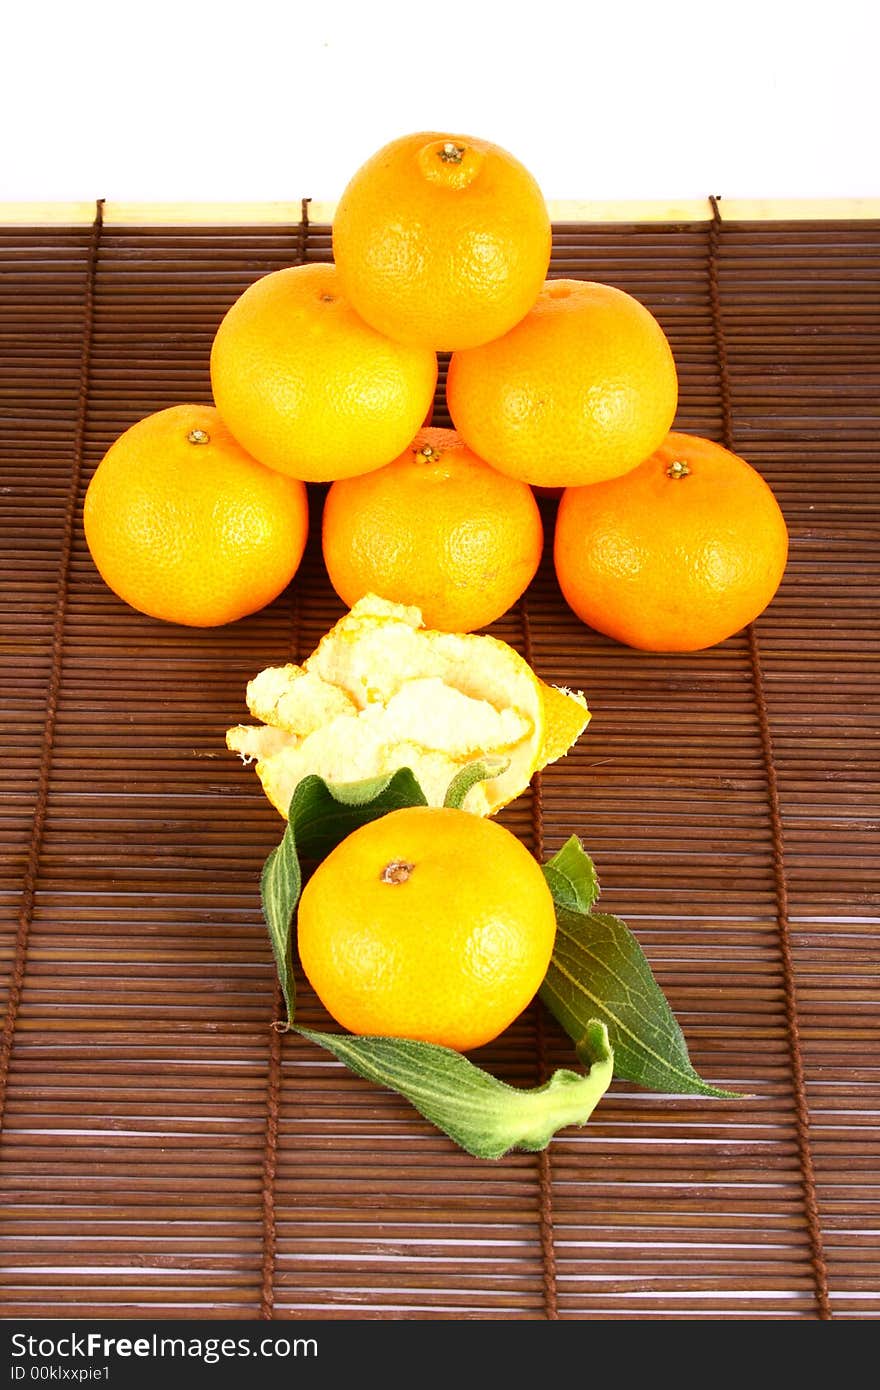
323 815
598 970
484 1116
572 877
319 818
469 776
280 885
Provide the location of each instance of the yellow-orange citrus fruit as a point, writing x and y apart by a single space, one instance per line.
308 387
442 240
428 923
184 525
678 554
381 692
438 529
583 388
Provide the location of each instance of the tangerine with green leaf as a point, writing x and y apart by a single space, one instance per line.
429 923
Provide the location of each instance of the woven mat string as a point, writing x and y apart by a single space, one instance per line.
802 1109
53 690
276 1038
545 1172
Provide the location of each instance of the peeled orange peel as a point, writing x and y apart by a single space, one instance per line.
381 692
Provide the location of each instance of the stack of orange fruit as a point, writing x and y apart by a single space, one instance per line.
327 373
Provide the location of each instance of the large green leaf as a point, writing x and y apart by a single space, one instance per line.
483 1115
599 970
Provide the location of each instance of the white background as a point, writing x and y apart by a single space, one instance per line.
256 101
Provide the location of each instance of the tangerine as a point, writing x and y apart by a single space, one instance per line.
438 529
442 240
184 525
307 386
583 388
676 555
428 923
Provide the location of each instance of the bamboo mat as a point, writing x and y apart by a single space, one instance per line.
165 1153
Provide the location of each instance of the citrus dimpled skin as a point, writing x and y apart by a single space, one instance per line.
307 386
437 529
428 923
677 555
581 389
442 240
183 525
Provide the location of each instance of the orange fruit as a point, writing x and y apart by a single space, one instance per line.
184 525
437 529
429 923
308 387
442 240
676 555
583 388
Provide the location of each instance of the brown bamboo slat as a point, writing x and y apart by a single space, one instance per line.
164 1152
